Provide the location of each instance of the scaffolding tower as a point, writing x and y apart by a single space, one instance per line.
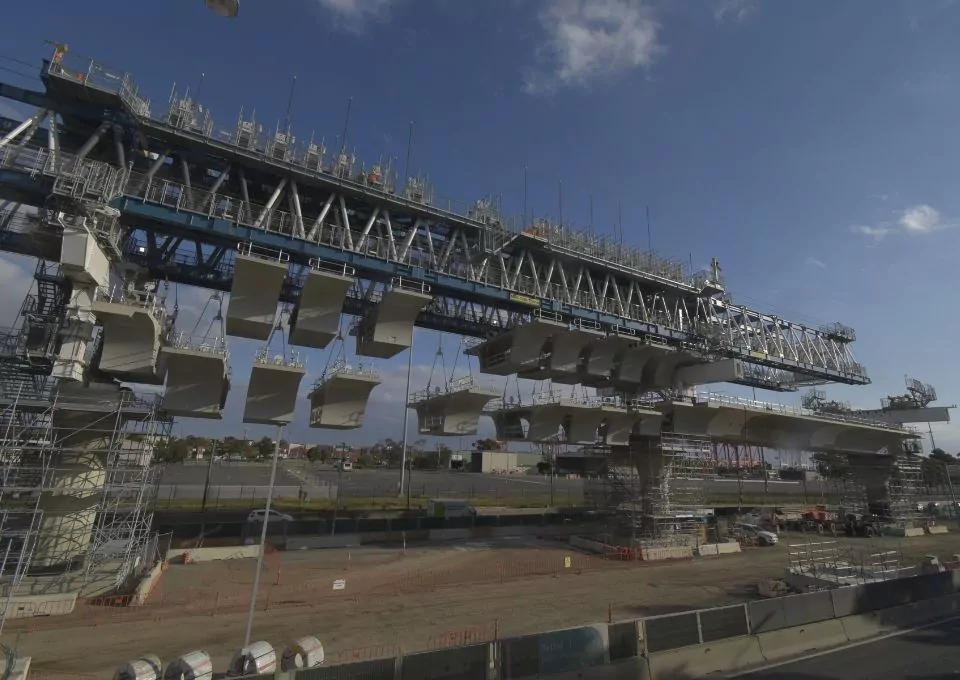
76 483
653 489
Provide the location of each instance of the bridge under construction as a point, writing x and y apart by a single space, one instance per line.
116 198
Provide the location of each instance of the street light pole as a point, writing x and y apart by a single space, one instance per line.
263 538
403 449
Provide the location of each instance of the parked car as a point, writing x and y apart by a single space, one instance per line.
275 516
753 532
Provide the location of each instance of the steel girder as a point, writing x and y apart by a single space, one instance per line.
189 192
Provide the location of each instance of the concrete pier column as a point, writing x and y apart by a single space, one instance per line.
519 349
387 329
198 379
69 505
132 324
257 283
316 318
453 410
873 473
84 427
272 391
339 400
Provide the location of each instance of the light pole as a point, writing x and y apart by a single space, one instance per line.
228 9
263 538
403 450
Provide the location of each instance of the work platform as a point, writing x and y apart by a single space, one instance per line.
272 391
518 349
316 318
453 410
746 421
387 329
198 378
133 323
338 401
254 293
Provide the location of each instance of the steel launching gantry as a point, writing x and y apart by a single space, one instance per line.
193 192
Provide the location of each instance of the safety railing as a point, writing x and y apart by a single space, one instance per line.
145 300
184 340
292 360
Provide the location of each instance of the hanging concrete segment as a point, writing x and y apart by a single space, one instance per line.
645 365
132 330
316 317
339 400
927 414
272 391
561 355
599 358
518 349
452 411
254 293
197 381
387 329
611 423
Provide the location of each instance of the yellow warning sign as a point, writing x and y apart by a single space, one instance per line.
566 562
524 300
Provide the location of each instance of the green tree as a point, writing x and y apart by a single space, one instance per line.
264 448
171 450
942 456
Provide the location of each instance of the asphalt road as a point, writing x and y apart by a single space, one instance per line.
927 654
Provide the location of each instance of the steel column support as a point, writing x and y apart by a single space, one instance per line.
268 208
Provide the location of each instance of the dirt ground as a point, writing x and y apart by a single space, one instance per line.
424 598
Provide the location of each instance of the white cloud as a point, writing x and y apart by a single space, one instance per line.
814 262
734 10
591 39
353 14
921 219
876 233
916 220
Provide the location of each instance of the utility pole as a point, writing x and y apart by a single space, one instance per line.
206 485
263 539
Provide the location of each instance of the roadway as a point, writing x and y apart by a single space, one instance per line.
926 654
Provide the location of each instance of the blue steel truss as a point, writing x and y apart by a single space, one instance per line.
190 197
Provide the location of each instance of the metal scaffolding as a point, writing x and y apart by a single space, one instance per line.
76 501
653 488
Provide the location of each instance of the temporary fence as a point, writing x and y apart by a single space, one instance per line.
242 496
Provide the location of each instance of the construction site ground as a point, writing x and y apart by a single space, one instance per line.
423 598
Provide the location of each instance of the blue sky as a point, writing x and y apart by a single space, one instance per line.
810 147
